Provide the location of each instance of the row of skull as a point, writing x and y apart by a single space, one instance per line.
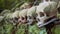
34 14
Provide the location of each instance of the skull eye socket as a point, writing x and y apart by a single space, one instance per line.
41 14
22 18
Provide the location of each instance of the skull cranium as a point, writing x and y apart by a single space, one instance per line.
41 15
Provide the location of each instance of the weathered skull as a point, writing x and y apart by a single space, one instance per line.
23 16
41 15
13 17
31 14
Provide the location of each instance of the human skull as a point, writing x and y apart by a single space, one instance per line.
13 17
41 15
31 15
23 16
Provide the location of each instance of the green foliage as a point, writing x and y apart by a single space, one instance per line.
8 28
34 29
58 16
1 30
8 4
21 29
56 29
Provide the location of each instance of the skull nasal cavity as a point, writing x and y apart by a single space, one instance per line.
41 14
